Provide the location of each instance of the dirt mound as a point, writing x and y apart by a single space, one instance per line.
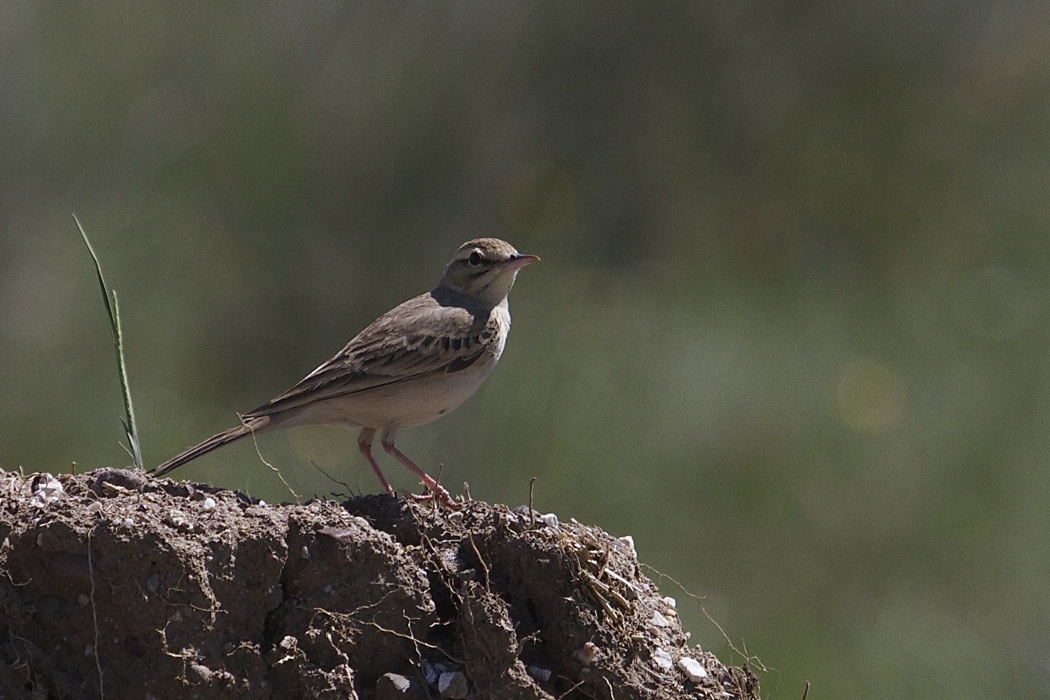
116 585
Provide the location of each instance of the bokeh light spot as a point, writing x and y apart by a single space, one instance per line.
870 396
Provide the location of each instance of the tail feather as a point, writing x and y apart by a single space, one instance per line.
253 425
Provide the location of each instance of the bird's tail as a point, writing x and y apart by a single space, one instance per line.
255 424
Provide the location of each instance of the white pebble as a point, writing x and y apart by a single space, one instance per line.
663 660
659 620
629 541
670 602
587 653
550 520
46 489
692 668
208 504
453 684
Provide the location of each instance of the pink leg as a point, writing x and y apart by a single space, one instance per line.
434 487
364 443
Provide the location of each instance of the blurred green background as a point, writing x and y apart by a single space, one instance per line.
789 331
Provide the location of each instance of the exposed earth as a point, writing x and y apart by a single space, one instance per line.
116 585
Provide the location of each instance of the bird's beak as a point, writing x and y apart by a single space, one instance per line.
519 261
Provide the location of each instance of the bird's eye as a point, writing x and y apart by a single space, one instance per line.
475 258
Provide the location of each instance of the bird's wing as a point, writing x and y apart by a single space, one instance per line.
416 339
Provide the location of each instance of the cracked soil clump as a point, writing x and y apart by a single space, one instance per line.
116 585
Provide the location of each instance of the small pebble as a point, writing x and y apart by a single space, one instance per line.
586 654
629 541
453 684
400 683
549 519
540 674
663 660
304 553
46 489
518 515
208 504
670 602
692 668
394 686
659 620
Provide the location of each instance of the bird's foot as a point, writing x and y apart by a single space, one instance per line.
438 494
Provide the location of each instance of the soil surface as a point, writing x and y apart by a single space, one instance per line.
116 585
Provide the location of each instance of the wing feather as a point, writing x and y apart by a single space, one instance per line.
393 349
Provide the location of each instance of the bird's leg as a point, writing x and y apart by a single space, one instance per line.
364 443
436 489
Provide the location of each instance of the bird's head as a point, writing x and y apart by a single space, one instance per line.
485 269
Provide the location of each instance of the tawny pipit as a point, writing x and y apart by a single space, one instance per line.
413 364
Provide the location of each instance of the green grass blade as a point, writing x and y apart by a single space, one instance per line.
113 311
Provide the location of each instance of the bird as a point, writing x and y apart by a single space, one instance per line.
415 363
